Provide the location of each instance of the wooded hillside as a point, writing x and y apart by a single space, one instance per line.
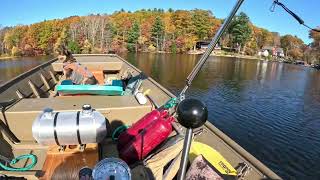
174 31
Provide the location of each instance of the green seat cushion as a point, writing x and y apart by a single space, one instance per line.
90 89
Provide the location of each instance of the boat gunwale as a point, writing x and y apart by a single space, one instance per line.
242 152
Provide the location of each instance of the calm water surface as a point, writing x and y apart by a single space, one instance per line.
270 109
10 68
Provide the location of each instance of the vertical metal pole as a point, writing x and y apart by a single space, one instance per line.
210 48
185 154
195 71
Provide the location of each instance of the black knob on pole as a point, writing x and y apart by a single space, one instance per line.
192 113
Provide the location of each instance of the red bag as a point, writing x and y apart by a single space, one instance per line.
146 139
134 130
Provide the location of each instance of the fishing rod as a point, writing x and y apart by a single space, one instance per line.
192 113
218 35
192 120
276 2
210 48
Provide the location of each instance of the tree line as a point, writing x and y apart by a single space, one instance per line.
175 31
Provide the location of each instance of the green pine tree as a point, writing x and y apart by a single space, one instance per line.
157 31
133 37
74 47
240 30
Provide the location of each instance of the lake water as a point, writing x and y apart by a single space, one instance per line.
10 68
271 109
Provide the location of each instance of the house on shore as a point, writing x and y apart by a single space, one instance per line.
271 50
203 45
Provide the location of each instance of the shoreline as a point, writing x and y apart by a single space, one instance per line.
162 52
5 57
8 57
238 56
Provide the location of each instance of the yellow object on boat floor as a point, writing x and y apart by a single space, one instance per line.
213 157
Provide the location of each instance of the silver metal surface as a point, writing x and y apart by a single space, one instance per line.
185 154
91 127
210 48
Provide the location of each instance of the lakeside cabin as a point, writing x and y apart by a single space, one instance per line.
203 45
271 50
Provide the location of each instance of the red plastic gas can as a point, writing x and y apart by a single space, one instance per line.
146 140
134 130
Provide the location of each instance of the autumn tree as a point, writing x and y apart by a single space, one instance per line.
315 36
314 50
31 40
292 46
262 36
182 22
87 47
109 31
252 46
184 30
3 31
214 26
46 37
93 23
122 23
74 28
201 23
13 36
62 39
142 30
169 32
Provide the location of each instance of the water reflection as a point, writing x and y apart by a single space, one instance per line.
271 109
10 68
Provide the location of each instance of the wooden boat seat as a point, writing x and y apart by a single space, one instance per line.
107 63
118 110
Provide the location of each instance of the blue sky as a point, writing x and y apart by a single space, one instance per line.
15 12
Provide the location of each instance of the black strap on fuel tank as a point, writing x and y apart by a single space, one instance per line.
54 128
78 128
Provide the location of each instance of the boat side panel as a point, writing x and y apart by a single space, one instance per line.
234 153
8 90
